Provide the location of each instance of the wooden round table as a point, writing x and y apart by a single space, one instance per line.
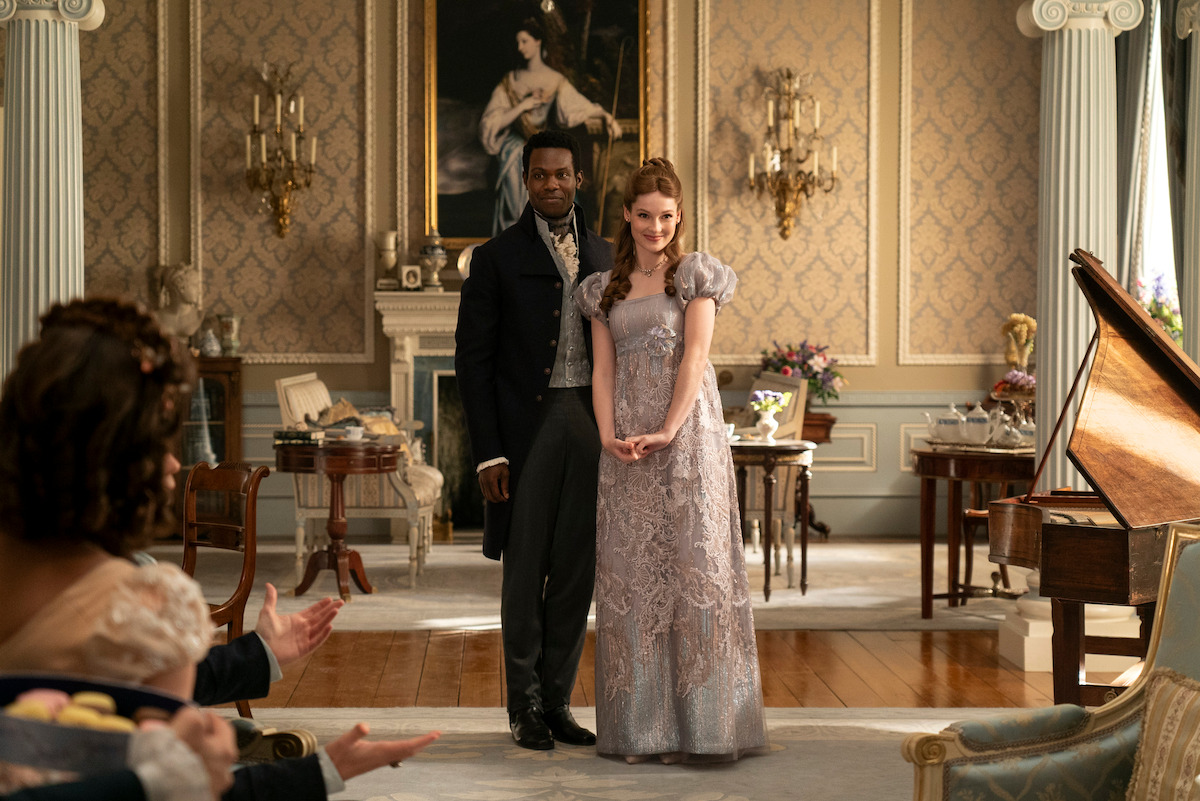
769 455
957 467
337 459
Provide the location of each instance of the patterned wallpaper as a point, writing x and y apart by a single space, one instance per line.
118 65
973 180
815 284
303 294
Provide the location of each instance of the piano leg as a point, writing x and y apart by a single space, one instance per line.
1067 654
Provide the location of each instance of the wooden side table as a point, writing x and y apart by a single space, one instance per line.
337 459
956 467
787 453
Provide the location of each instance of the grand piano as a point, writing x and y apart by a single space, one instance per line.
1136 440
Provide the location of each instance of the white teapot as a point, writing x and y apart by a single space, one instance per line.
980 426
948 427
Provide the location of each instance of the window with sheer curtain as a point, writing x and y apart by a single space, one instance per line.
1156 262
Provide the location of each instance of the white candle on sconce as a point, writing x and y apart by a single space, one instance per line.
262 146
751 168
278 110
816 164
301 114
247 152
770 113
256 111
312 159
816 114
293 146
833 167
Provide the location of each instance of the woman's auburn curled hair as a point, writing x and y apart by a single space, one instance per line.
655 175
87 418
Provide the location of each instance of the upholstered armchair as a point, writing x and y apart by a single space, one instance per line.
409 497
1068 753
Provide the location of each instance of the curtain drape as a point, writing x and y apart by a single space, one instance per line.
1175 101
1133 57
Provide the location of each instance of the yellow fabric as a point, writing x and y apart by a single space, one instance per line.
379 424
338 411
1168 752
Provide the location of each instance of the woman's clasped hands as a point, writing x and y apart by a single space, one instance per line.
636 447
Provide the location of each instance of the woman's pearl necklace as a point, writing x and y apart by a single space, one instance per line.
649 272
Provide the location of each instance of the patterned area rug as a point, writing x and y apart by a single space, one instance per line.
857 586
847 755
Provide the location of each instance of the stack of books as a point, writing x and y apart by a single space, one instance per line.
293 437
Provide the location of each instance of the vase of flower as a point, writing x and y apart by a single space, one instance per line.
766 402
767 425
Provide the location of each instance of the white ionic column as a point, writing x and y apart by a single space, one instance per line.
1187 24
1077 200
41 259
1077 208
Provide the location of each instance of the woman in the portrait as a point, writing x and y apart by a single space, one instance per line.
521 105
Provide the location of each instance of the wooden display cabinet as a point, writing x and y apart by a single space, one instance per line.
212 421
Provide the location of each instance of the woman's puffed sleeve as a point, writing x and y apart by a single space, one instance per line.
587 296
699 275
157 620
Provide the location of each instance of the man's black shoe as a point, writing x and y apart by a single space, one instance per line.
564 728
530 731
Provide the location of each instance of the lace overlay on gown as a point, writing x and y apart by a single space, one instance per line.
676 661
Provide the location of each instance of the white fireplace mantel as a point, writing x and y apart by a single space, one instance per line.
418 324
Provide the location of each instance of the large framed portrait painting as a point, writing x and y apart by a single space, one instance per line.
505 69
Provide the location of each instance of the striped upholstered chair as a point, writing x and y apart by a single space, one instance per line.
1068 753
409 497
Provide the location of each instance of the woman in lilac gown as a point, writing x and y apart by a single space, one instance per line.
677 674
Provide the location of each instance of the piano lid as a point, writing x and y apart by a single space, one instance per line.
1137 435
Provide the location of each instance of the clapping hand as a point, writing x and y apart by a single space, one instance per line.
354 756
293 636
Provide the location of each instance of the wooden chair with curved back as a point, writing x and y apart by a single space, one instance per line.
219 511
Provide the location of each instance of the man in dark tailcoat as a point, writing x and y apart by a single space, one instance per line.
523 363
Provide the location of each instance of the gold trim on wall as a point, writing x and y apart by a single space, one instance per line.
367 355
454 243
871 319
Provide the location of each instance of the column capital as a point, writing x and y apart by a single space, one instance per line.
1187 18
1035 18
87 14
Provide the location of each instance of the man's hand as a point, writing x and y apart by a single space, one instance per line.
494 483
293 636
352 756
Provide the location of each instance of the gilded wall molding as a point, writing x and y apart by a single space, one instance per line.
367 139
164 226
702 125
706 176
402 122
963 342
194 84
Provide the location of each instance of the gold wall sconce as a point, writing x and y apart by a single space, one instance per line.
791 171
279 171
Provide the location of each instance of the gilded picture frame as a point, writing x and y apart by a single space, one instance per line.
589 62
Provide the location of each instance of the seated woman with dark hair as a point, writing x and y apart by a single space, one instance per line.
87 418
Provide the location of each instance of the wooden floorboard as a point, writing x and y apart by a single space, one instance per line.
799 669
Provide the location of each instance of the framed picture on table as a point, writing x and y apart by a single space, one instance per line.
510 68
